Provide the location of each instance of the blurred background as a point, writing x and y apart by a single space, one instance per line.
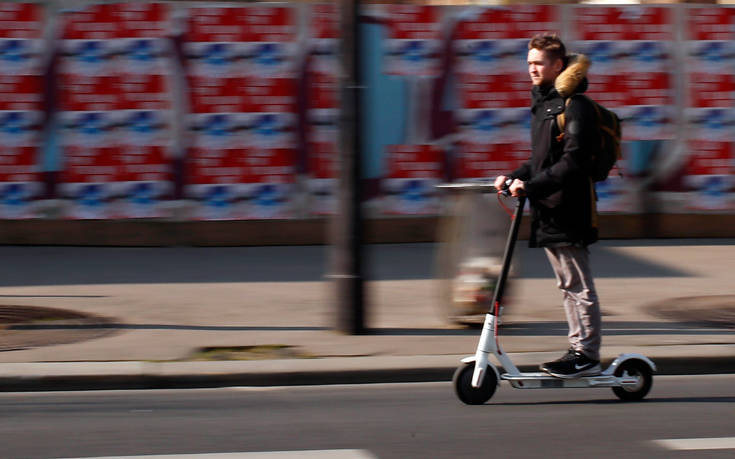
183 112
178 189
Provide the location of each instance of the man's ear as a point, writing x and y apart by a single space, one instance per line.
558 65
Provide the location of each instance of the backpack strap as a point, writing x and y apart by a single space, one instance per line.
561 120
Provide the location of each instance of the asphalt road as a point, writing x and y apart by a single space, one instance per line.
384 421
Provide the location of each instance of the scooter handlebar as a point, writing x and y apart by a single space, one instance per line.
485 187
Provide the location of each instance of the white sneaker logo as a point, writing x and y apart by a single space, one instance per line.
578 366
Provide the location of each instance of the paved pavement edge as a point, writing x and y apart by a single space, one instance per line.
69 377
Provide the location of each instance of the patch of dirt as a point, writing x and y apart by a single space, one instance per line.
25 327
713 311
262 352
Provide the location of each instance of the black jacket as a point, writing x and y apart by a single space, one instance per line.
560 192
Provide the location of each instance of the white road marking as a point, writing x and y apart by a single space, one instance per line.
683 444
311 454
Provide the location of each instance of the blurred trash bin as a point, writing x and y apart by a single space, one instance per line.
473 229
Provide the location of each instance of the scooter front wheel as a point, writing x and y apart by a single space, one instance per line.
641 372
462 381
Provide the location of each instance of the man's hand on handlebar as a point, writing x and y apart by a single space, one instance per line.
516 187
500 183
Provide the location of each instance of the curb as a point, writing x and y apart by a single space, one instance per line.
262 376
199 381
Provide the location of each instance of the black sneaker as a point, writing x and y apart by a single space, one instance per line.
572 365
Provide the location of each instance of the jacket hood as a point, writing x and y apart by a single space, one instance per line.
573 79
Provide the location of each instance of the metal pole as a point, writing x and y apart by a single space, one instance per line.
347 224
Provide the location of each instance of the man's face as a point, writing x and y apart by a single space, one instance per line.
543 71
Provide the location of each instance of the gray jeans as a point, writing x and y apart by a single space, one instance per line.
574 279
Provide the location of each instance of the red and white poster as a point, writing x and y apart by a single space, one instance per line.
632 49
21 65
711 164
322 112
491 45
242 88
710 116
411 51
710 23
116 110
413 172
413 39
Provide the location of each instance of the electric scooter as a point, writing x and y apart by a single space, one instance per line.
630 375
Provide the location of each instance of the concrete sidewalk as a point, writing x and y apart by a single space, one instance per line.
159 308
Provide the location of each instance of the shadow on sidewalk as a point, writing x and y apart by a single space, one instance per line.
54 296
423 332
606 263
49 266
118 326
611 328
510 329
561 329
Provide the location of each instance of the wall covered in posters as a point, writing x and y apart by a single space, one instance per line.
241 73
115 110
633 73
230 111
178 110
23 52
709 35
665 70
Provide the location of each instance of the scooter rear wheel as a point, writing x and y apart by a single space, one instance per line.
641 372
462 381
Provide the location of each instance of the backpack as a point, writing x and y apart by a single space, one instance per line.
610 135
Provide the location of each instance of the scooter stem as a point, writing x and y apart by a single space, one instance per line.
508 254
488 343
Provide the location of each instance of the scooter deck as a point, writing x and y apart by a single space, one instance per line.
544 381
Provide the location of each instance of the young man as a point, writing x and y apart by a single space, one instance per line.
561 194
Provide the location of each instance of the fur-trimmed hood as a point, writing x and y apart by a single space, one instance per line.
573 79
